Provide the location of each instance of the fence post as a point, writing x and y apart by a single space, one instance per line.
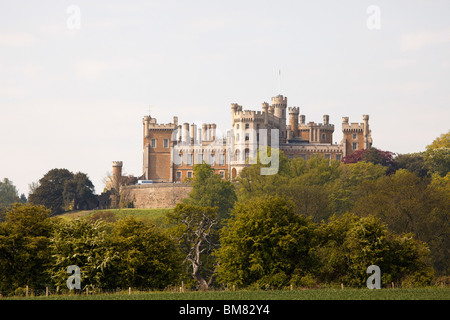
129 290
46 291
342 286
26 291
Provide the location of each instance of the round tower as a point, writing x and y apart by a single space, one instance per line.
117 172
293 120
279 104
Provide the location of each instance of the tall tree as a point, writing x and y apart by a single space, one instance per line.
437 155
50 191
8 193
61 190
210 190
195 229
265 243
24 247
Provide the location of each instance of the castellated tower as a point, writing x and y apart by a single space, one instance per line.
279 105
356 136
293 120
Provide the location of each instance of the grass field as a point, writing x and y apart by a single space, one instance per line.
155 216
431 293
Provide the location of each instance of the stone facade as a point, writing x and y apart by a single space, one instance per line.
171 150
158 195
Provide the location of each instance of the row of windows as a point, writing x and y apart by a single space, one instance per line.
189 158
165 143
189 174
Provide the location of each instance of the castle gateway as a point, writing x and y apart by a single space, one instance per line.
171 150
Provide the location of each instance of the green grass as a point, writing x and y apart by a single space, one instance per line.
155 216
307 294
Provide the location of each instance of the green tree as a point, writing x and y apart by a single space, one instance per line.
409 204
78 191
86 245
413 162
50 191
24 247
264 244
437 155
344 190
349 244
8 193
195 230
61 190
210 190
145 257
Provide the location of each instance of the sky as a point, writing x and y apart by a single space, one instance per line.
77 77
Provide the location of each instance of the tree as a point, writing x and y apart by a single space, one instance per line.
78 191
210 190
24 247
413 162
264 244
195 229
86 245
349 244
50 191
61 190
437 155
373 155
145 257
344 190
8 193
409 204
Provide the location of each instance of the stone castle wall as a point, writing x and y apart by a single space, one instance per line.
157 195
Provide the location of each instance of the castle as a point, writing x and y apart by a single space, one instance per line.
171 150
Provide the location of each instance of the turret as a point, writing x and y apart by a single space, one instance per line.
366 131
293 120
279 104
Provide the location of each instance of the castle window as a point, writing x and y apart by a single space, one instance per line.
212 160
247 126
178 175
237 126
323 136
221 159
327 156
247 137
338 157
189 159
166 143
222 174
354 136
153 143
189 174
354 145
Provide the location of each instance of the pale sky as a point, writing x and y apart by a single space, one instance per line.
74 97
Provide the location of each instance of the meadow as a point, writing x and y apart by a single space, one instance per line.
426 293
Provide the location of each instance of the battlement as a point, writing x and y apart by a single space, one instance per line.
279 99
117 163
294 110
352 127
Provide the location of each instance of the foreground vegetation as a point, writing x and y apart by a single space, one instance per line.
314 224
304 294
